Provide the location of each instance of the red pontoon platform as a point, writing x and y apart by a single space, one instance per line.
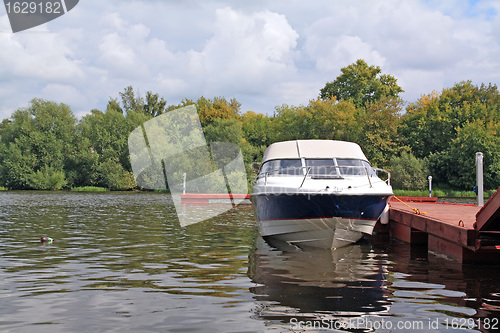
206 198
464 232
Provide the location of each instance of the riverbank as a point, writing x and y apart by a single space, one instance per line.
87 189
441 193
400 193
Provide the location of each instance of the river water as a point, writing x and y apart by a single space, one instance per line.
121 262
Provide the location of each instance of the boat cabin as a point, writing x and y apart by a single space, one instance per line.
317 158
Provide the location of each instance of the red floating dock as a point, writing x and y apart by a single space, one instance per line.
416 199
466 233
206 198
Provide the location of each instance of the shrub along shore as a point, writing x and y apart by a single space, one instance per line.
400 193
441 193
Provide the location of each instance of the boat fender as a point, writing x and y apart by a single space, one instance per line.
384 217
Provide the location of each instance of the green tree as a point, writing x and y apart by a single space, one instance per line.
47 178
373 127
216 108
426 127
152 105
333 120
257 129
450 127
378 136
16 166
105 135
431 124
292 123
258 134
131 102
82 163
408 172
224 130
320 119
37 141
114 105
456 165
361 84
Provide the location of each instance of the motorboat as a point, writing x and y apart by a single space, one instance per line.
319 193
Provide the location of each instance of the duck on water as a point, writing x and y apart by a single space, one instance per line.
319 193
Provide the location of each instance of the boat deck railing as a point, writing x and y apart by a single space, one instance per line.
327 172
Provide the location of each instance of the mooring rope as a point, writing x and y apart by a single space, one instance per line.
416 210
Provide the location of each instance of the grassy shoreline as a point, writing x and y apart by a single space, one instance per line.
441 193
401 193
89 189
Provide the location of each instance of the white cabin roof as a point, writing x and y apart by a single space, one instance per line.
313 149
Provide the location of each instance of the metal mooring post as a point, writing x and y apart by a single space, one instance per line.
479 178
430 186
184 183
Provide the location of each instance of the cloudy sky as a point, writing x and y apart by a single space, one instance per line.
262 52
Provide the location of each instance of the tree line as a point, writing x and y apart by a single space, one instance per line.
44 146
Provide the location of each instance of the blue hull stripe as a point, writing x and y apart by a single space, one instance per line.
303 206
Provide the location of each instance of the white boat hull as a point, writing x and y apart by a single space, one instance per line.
332 232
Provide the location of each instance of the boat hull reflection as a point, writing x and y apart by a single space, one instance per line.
345 282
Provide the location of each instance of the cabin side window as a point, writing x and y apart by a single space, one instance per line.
282 167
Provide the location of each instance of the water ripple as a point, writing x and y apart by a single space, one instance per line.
121 262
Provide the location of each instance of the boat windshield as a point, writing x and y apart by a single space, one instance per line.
282 167
322 167
338 167
353 167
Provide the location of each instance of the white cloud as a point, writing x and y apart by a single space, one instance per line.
247 52
332 53
417 82
262 53
122 51
63 93
392 33
38 56
29 61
